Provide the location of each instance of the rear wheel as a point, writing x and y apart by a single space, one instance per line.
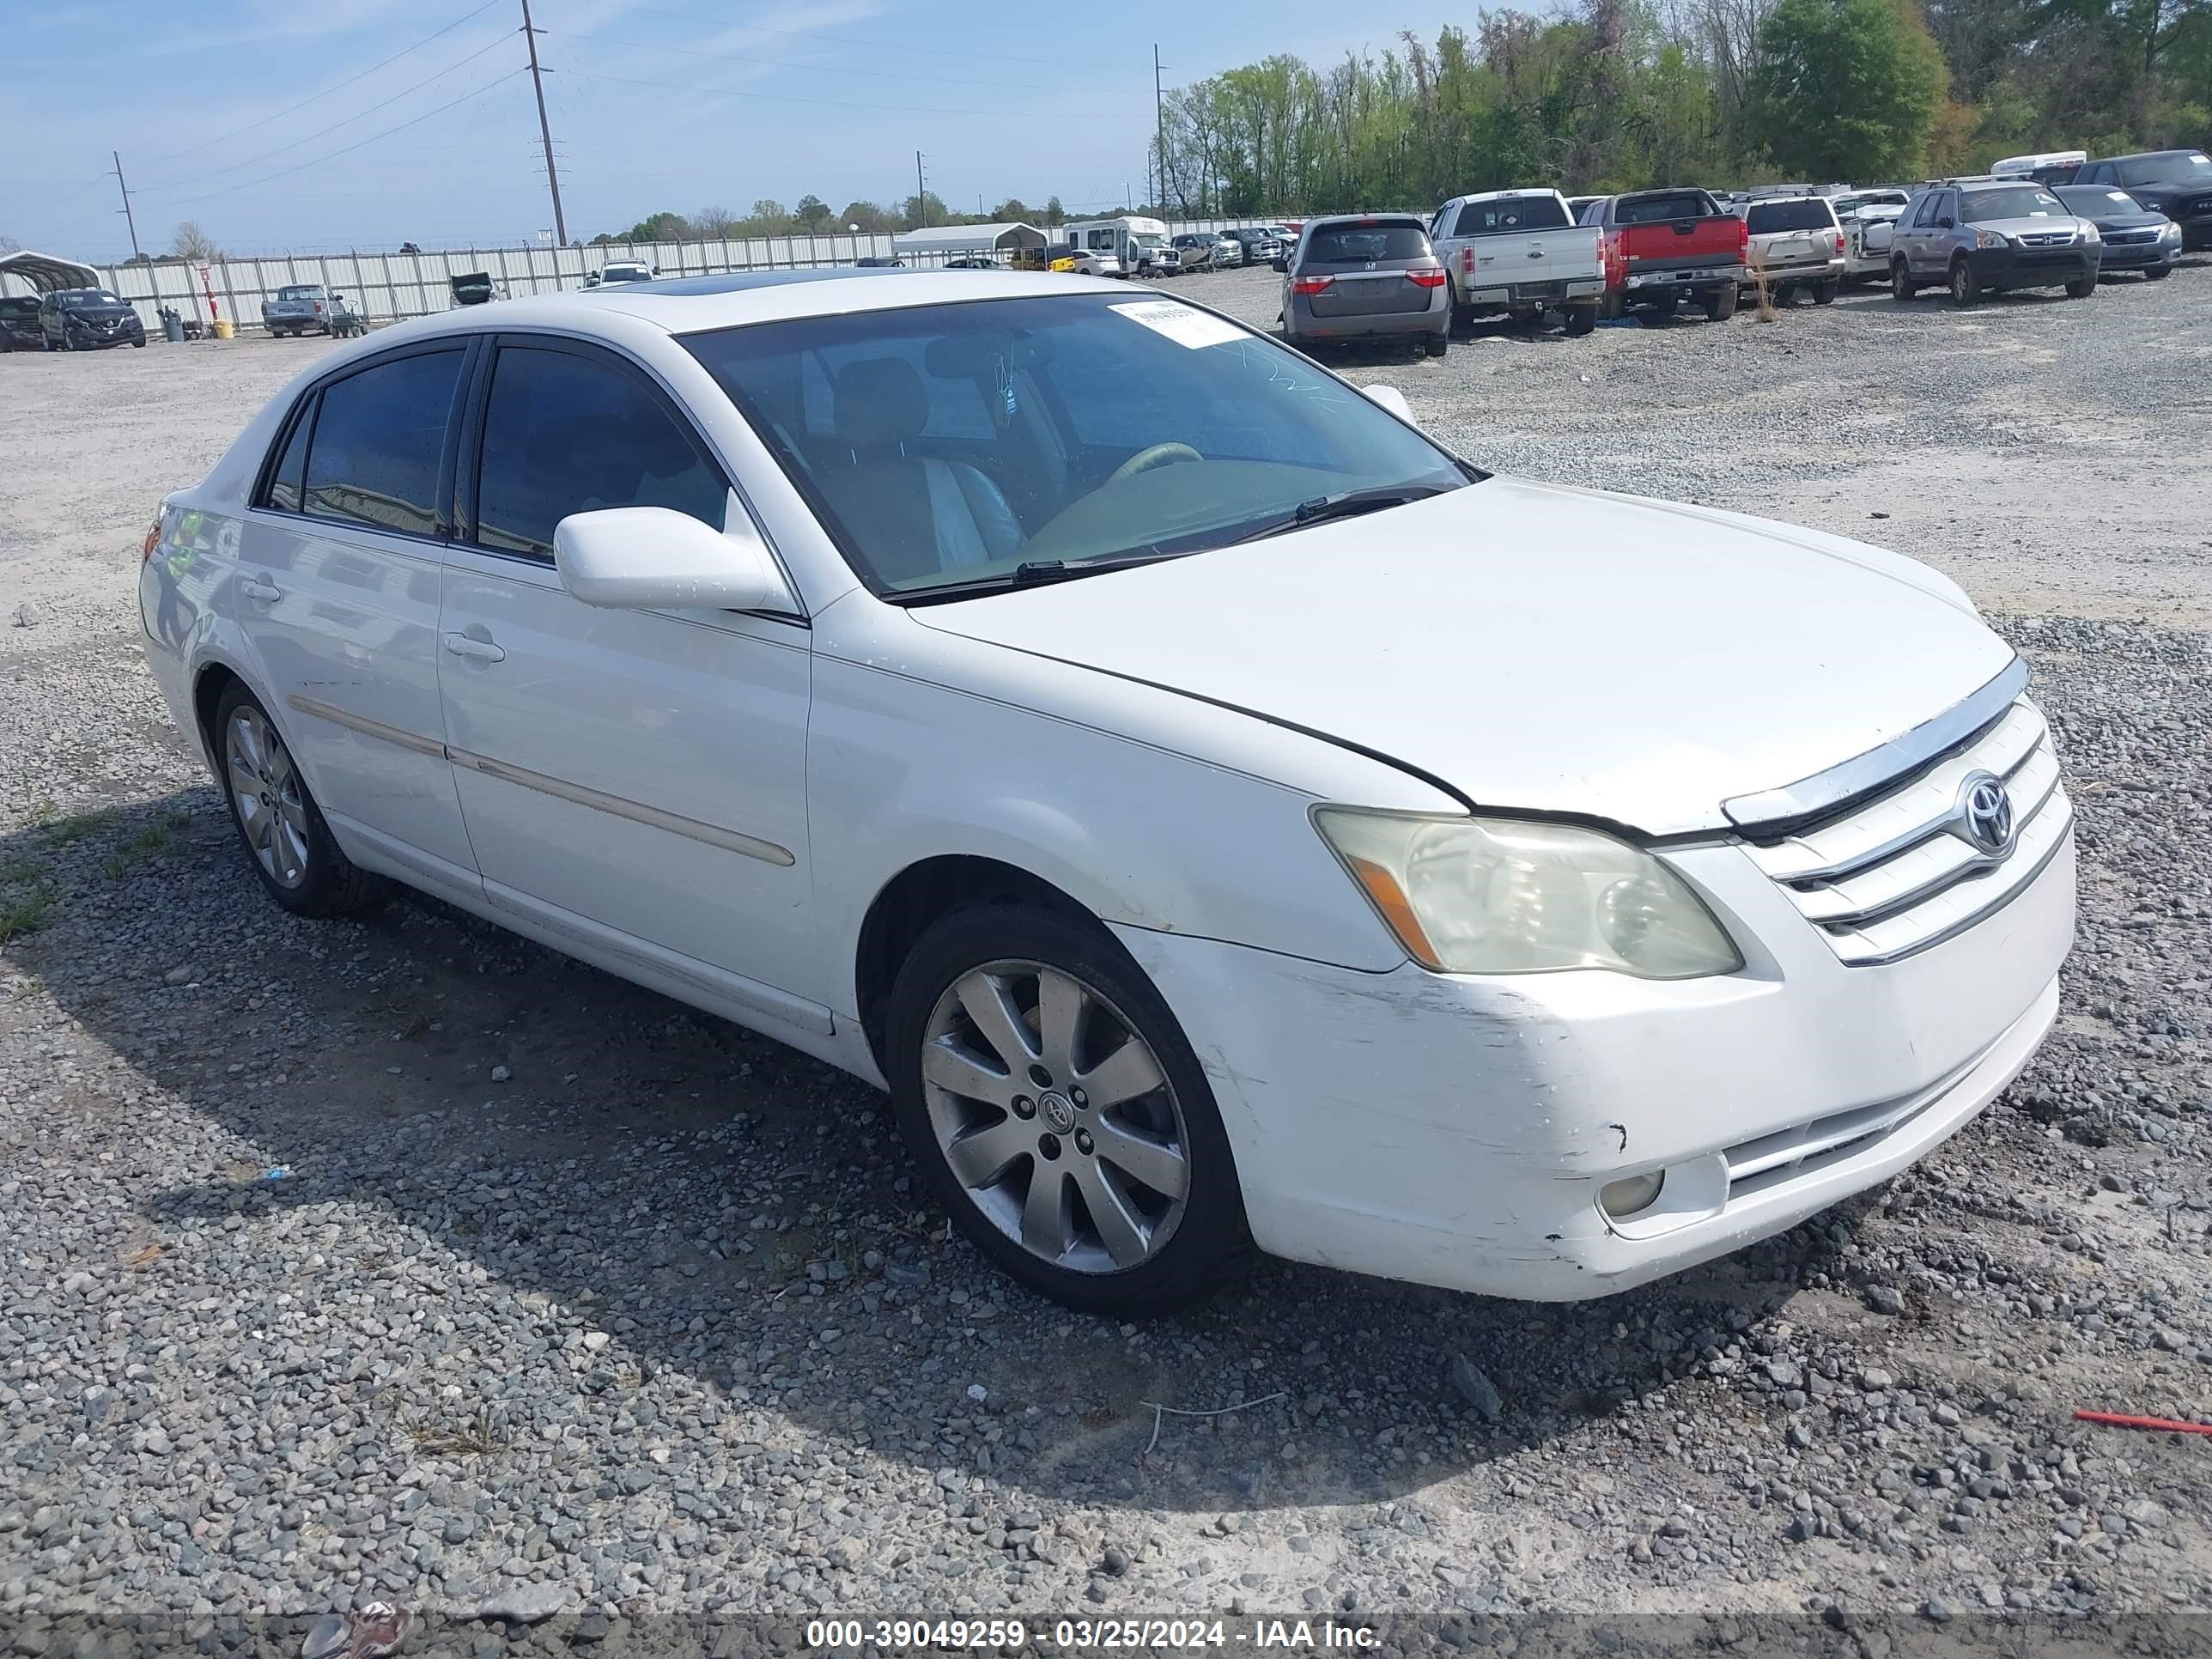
1824 293
1720 305
1580 320
1437 344
1902 287
1057 1109
281 827
2082 288
1965 290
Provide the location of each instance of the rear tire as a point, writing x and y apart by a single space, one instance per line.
1437 344
2082 288
287 841
1579 320
1965 290
1824 293
1720 307
1902 287
998 957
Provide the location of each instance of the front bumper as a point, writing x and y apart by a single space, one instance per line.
1455 1131
2139 255
2013 267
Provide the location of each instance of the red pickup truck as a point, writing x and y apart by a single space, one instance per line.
1662 247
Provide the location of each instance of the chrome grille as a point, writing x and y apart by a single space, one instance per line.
2127 238
1899 874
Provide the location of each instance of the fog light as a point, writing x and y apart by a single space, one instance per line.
1631 1196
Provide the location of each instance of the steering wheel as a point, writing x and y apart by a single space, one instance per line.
1158 455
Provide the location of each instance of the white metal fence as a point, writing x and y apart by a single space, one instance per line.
388 287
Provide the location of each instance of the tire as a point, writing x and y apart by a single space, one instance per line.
2083 288
2157 273
1824 293
1720 307
1964 291
287 843
1902 287
998 958
139 344
1609 308
1437 344
1579 320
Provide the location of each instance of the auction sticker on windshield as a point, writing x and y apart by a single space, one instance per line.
1182 324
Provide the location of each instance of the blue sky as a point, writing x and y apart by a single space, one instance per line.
234 115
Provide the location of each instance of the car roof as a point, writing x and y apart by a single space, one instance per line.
1366 219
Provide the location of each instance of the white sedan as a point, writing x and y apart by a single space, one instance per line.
1215 812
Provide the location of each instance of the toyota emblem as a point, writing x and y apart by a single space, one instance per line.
1985 814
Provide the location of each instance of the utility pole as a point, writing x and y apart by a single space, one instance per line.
127 218
1160 126
545 129
920 192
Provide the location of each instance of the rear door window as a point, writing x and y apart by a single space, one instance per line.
566 432
380 443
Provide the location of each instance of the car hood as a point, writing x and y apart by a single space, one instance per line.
99 313
1539 648
2131 221
2033 225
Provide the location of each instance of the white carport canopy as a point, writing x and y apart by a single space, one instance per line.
46 273
967 239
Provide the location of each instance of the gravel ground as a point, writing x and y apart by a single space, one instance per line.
401 1258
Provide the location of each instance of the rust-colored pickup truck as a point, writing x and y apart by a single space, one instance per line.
1662 247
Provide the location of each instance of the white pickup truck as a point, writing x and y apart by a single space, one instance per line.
1519 253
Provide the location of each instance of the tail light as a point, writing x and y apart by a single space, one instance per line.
1839 240
1743 236
1425 278
1467 262
153 540
1311 284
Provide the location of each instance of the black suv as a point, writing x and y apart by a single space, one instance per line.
2175 182
89 318
19 322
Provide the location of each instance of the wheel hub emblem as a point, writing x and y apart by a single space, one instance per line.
1058 1114
1985 814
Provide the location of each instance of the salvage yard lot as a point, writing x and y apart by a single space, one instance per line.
401 1257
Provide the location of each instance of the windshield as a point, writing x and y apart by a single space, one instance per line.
1359 244
302 291
1810 214
89 296
2090 200
948 445
2010 201
1521 213
2174 167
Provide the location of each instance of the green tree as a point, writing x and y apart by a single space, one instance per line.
866 214
812 213
770 217
1012 211
927 208
654 228
1845 90
1055 215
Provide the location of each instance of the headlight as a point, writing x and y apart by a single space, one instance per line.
2169 232
1989 238
1509 896
2089 232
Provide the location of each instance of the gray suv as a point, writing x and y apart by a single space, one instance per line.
1366 276
1975 236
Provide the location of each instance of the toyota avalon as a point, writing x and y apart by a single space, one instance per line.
1218 813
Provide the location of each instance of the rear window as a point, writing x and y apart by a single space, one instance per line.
302 291
1335 245
1807 214
1659 209
1496 218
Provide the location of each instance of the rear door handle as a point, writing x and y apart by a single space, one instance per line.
260 592
462 645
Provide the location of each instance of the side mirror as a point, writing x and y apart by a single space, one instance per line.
1281 264
1946 224
651 558
1389 397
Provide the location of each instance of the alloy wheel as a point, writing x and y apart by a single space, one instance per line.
264 792
1055 1116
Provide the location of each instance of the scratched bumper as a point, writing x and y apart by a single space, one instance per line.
1456 1131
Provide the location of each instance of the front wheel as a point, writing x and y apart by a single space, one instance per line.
2082 287
1902 287
278 822
1965 290
2158 273
1059 1112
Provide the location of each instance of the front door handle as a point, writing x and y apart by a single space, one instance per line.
260 592
463 645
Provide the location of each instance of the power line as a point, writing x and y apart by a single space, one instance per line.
127 193
340 86
250 160
784 98
845 39
840 70
520 69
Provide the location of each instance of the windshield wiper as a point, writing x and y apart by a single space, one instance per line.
1346 504
1031 574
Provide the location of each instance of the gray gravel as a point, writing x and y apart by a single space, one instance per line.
400 1258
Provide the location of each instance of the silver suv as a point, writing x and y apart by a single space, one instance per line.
1974 235
1795 242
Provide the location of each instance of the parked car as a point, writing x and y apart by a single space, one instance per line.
296 308
866 262
1255 246
1867 216
89 319
2133 237
19 322
1663 246
1577 206
1975 236
1227 250
634 271
1193 251
1366 276
1084 261
971 262
2175 182
2056 166
473 287
701 699
1796 245
1519 253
